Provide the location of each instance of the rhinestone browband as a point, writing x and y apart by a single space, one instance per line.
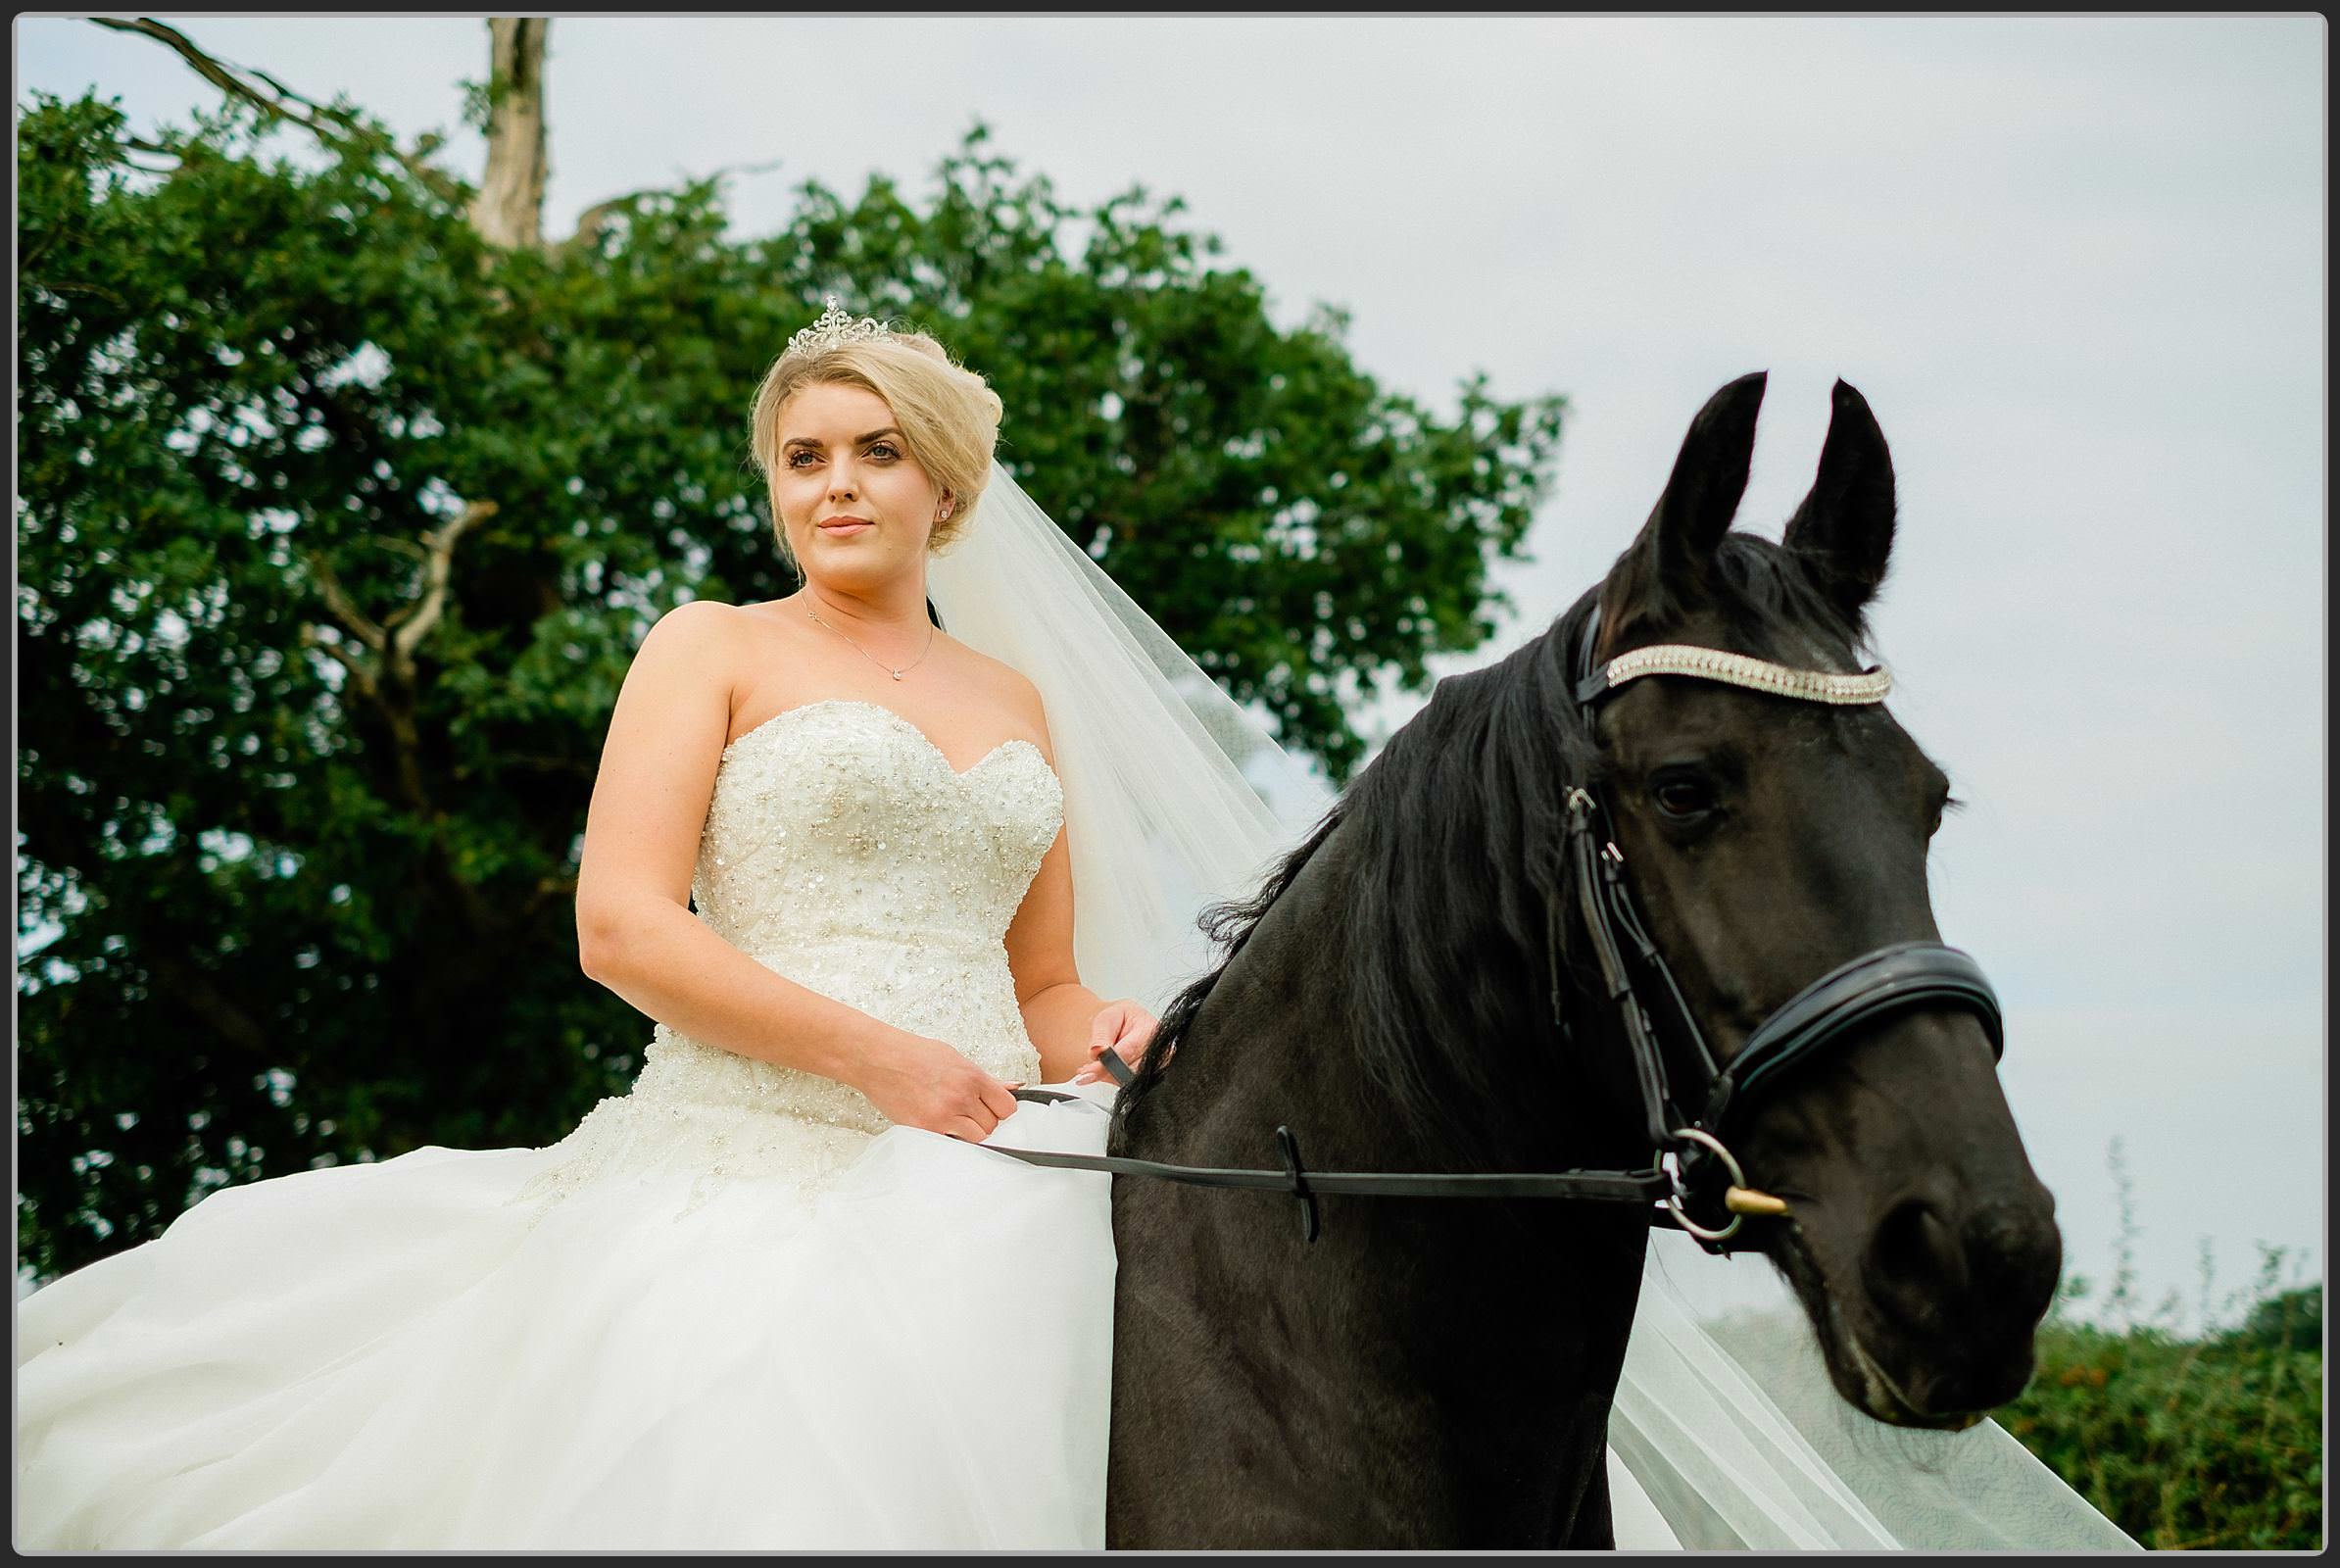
1740 669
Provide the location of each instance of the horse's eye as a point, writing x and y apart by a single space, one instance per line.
1677 796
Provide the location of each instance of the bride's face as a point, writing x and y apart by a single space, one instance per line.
855 507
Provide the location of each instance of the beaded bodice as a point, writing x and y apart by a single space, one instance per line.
840 824
844 852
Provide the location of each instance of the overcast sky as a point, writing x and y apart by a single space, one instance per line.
2076 265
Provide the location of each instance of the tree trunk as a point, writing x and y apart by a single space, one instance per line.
510 208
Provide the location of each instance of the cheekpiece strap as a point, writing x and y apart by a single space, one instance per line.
1737 669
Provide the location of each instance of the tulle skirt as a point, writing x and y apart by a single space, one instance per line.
408 1354
912 1353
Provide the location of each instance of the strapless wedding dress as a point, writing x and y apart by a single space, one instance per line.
735 1307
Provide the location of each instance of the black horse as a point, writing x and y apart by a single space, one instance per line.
1438 1372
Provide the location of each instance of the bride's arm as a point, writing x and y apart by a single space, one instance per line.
1064 1018
1058 1010
636 933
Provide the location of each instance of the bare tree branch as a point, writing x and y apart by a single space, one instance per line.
322 120
103 293
509 206
595 218
419 618
395 706
210 70
360 677
352 620
183 980
403 545
591 220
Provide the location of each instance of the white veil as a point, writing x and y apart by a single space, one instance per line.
1736 1435
1167 782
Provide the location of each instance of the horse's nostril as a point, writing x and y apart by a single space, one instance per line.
1964 1287
2022 1255
1917 1267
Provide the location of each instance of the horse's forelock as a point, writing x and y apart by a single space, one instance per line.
1780 610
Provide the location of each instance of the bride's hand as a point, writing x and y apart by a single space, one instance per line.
920 1082
1122 1027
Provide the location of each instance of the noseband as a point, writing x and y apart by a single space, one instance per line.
1694 1181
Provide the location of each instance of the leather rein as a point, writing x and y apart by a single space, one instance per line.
1692 1181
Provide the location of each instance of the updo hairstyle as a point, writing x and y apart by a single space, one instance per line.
948 416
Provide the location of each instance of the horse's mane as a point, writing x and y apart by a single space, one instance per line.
1460 822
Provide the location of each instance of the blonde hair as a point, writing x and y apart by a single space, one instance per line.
948 416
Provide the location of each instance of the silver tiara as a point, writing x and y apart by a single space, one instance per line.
833 328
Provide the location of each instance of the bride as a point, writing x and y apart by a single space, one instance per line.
864 870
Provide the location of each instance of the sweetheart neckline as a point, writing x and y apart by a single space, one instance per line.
880 708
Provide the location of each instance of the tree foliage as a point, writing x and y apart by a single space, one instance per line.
337 528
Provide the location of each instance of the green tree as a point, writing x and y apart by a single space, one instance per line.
338 526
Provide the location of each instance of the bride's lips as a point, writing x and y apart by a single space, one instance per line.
836 527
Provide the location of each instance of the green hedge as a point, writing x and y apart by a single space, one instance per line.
2208 1441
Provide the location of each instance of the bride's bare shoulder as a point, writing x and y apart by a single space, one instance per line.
705 621
693 630
1008 685
705 642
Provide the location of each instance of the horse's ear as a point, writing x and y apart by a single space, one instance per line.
1843 532
1666 567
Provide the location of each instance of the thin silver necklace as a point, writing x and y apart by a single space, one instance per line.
865 654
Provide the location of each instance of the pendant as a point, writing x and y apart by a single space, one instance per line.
896 673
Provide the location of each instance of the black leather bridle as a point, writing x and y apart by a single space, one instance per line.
1886 980
1693 1180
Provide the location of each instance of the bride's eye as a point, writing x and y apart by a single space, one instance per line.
799 452
883 448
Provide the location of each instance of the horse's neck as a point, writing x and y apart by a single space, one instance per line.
1283 1040
1280 1050
1479 1338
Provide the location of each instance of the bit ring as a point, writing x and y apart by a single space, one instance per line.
1738 1179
